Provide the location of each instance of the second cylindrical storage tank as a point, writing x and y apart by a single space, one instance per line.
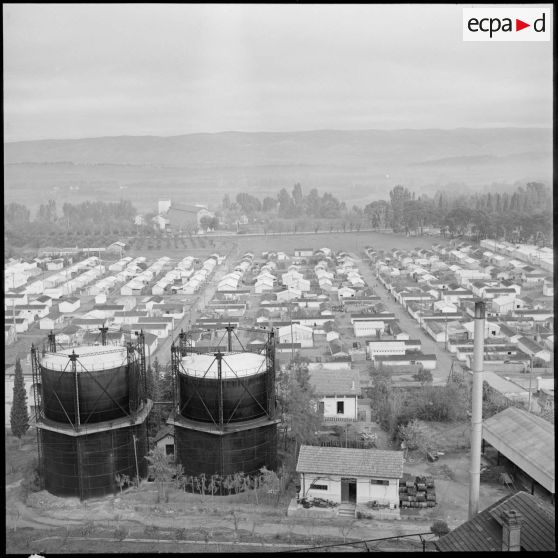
245 450
244 383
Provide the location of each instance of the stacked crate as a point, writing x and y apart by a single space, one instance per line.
417 492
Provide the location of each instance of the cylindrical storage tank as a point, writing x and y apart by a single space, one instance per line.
86 466
100 385
244 451
245 385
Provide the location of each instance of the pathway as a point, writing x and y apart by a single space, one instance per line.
409 325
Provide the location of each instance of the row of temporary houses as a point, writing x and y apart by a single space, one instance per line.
140 280
444 308
232 280
535 255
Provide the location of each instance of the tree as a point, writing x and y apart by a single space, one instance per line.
122 481
161 468
268 204
423 376
440 528
411 434
297 200
206 222
379 213
19 416
297 403
285 203
248 203
398 196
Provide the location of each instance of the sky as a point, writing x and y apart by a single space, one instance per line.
86 70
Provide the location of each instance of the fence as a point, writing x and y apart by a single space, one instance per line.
355 444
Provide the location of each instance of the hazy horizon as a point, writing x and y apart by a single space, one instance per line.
77 71
285 132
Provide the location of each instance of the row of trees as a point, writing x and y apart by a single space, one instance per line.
522 215
287 205
77 220
165 473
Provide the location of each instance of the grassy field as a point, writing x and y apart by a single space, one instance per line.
352 241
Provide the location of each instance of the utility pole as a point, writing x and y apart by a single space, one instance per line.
136 456
530 379
292 339
476 411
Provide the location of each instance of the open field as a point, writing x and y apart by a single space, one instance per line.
352 241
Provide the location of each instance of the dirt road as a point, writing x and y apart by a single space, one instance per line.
409 325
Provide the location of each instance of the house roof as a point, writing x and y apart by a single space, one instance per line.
484 531
530 345
334 382
350 462
165 431
186 208
53 314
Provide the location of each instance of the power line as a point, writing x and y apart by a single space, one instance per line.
362 541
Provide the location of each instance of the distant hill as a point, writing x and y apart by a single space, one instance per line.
202 167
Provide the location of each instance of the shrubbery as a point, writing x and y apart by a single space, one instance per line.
397 407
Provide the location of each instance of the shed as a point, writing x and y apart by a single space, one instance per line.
526 440
350 475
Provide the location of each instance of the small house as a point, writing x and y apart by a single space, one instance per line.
69 305
164 440
296 334
53 320
350 475
337 393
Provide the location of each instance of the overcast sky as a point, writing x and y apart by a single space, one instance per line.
84 70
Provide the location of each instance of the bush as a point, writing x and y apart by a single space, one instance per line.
120 533
180 534
31 482
151 531
87 529
411 435
440 528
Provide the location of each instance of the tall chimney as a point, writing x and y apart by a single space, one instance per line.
511 531
476 412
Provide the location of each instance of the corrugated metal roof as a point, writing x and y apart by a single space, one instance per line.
484 531
520 433
350 462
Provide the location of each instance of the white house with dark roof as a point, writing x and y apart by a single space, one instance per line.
337 393
53 320
350 475
296 334
69 305
533 349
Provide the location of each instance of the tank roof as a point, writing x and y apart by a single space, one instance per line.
89 358
233 365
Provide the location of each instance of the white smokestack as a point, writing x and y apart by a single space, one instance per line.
476 413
